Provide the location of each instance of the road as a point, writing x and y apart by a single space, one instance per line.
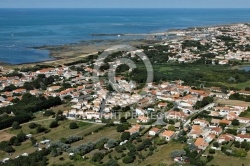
204 108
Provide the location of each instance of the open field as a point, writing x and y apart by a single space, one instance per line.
208 75
232 102
221 159
4 136
162 154
55 134
110 133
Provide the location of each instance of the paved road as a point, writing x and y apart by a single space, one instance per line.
204 108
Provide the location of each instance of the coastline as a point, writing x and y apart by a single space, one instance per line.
73 51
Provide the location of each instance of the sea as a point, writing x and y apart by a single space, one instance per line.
23 29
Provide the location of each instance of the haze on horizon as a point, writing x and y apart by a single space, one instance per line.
124 4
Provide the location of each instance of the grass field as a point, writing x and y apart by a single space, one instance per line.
55 134
162 154
232 102
209 75
221 159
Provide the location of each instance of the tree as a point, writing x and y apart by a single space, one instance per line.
178 153
125 136
171 127
123 120
211 151
235 122
32 125
98 156
9 149
53 124
33 140
120 148
16 125
111 143
216 144
13 141
122 127
73 125
21 137
128 159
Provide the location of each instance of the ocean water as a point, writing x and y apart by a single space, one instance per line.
21 29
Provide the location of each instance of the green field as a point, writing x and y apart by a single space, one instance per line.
162 154
221 159
209 75
55 134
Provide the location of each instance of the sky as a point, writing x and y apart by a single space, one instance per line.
124 3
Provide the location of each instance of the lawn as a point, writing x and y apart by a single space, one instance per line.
162 154
222 159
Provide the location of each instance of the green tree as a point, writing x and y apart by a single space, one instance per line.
235 122
125 136
73 125
16 125
21 137
53 124
32 125
211 151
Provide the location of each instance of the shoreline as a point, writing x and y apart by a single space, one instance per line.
81 49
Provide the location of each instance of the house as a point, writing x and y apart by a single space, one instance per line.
139 111
225 138
201 122
53 88
231 116
153 131
162 105
243 120
224 121
176 115
134 129
216 130
215 122
210 138
168 135
195 131
241 138
142 119
201 144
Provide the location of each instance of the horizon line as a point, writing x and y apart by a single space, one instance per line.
124 8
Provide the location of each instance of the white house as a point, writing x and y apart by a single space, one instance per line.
241 137
153 131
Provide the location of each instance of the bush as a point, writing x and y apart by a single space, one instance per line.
21 137
216 144
128 159
211 151
98 157
32 125
16 125
53 124
235 122
120 148
73 125
125 136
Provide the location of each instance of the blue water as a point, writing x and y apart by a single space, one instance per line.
24 28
